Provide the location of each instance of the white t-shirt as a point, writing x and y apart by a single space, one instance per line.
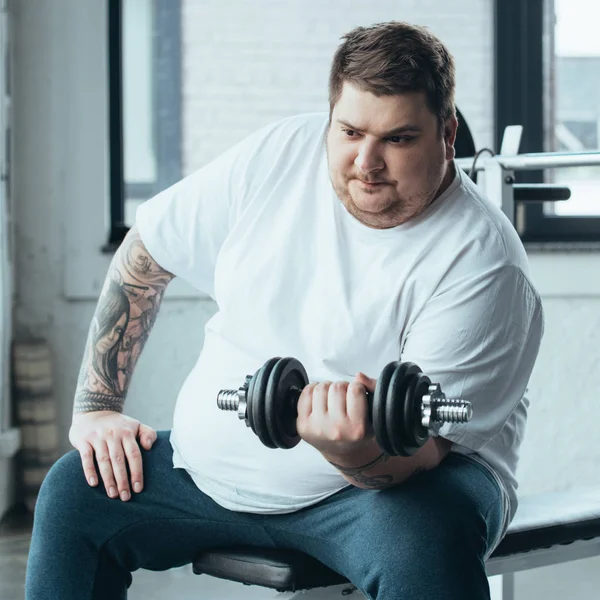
261 230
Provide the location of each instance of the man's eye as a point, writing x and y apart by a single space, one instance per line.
349 132
398 139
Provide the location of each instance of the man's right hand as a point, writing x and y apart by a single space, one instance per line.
113 438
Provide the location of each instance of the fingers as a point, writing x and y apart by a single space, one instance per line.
133 457
368 382
105 466
335 401
147 436
320 399
108 445
86 453
113 454
356 402
305 402
332 416
119 466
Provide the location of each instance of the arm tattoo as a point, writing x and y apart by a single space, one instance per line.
126 312
372 481
380 481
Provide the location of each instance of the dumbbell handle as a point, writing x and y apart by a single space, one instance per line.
435 407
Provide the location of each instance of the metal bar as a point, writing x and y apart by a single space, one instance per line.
497 185
535 161
540 192
323 593
508 586
543 557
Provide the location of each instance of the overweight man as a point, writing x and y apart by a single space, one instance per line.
346 239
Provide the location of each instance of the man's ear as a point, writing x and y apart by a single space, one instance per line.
450 129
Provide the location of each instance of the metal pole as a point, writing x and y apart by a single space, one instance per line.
497 185
535 161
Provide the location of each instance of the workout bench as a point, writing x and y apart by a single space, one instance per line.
548 528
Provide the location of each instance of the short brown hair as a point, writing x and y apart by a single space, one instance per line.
392 58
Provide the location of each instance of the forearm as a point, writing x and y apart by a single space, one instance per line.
124 316
373 469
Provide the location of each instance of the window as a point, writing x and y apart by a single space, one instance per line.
548 80
145 105
577 103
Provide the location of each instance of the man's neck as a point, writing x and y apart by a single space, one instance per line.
448 178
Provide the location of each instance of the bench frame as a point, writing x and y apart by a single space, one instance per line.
501 569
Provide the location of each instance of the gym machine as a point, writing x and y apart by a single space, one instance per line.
496 174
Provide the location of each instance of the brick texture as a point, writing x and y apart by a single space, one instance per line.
246 64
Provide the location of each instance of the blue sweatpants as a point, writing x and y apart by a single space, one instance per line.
423 539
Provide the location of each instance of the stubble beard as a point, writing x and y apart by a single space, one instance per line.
395 210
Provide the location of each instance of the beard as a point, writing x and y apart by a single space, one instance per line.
385 206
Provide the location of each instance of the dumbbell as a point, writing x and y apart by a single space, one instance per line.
404 410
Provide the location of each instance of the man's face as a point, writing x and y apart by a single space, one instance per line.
388 160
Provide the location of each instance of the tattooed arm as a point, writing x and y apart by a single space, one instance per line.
108 441
385 471
126 311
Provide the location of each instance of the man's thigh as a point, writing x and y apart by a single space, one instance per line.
174 520
159 528
418 539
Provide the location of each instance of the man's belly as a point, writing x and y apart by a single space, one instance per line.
225 457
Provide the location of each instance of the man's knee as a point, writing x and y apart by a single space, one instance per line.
63 488
407 542
424 564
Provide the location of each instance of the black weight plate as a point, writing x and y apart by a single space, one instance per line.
293 384
281 406
250 402
393 420
399 429
417 435
409 415
258 403
394 414
379 407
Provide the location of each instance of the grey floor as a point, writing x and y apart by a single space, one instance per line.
575 581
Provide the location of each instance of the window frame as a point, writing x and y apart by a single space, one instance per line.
166 114
521 96
522 93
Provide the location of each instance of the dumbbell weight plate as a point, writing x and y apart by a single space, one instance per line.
257 418
415 435
379 405
397 425
287 377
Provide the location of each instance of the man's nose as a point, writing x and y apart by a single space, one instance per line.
368 159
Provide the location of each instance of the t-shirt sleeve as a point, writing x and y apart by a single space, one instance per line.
184 226
479 339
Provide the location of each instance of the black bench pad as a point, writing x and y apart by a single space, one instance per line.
542 521
283 570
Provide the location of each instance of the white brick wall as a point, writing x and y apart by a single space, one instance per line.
246 64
